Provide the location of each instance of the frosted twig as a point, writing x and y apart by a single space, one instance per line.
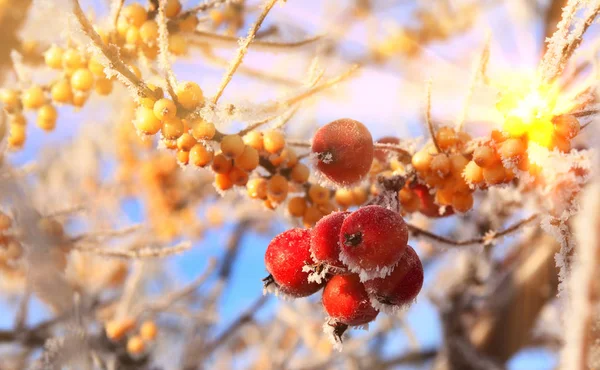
299 143
206 6
137 253
416 231
111 53
163 49
204 37
428 116
102 234
243 49
116 11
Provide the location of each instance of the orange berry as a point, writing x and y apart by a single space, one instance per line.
202 130
103 86
421 160
53 57
135 14
360 196
254 139
46 119
61 92
498 136
297 206
82 79
189 95
248 160
135 345
200 156
273 141
189 23
566 126
79 99
17 135
409 200
172 8
277 188
149 32
223 182
292 157
148 330
221 164
169 143
458 162
344 197
257 188
238 176
512 148
444 196
17 119
11 99
33 98
232 145
186 142
5 221
72 59
440 165
472 173
96 67
484 156
164 108
183 157
462 202
177 44
494 175
132 36
311 216
146 121
116 329
318 194
172 128
149 101
446 138
561 143
300 173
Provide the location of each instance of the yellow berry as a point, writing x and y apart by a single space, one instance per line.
79 98
149 32
440 165
189 23
177 44
61 92
103 86
149 101
172 128
232 145
132 37
135 14
273 141
512 148
46 119
300 173
221 164
189 95
311 216
238 176
344 197
318 194
116 329
172 8
96 67
297 206
248 160
11 99
200 156
446 138
202 130
495 174
254 139
17 119
277 188
462 202
82 79
146 122
484 156
223 182
472 173
183 156
360 196
17 135
165 108
458 162
135 345
186 142
422 160
53 57
72 59
257 188
122 27
33 98
148 330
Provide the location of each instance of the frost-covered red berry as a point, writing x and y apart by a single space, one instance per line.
285 257
428 206
373 240
343 150
401 287
325 239
346 301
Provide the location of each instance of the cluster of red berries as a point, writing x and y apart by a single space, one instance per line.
361 259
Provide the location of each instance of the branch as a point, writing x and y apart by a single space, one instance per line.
137 253
428 116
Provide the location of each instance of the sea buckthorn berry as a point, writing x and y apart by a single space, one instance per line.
33 97
446 138
401 287
186 142
148 330
116 329
146 121
440 165
202 130
149 101
46 119
223 182
164 109
512 148
428 206
484 156
132 37
297 206
318 194
463 138
373 239
136 345
72 59
79 98
277 188
189 23
232 145
172 128
238 176
189 95
273 141
346 301
462 202
344 197
254 139
257 188
103 86
494 175
82 79
135 14
421 161
566 126
325 239
473 174
409 200
344 151
17 119
248 160
11 99
149 32
53 57
383 155
327 208
291 157
312 214
61 92
221 164
122 26
183 157
300 173
498 136
200 156
360 196
172 8
5 221
96 67
177 44
278 159
458 162
561 143
17 135
285 257
444 196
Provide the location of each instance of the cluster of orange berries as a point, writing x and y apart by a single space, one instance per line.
135 338
137 29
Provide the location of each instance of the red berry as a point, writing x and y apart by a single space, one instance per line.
373 240
344 151
428 206
383 155
325 239
401 287
346 301
285 257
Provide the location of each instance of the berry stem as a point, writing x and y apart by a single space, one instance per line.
268 281
352 240
338 330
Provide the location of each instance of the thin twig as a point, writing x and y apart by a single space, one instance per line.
116 13
243 49
102 234
204 37
428 116
137 253
163 49
486 239
206 6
